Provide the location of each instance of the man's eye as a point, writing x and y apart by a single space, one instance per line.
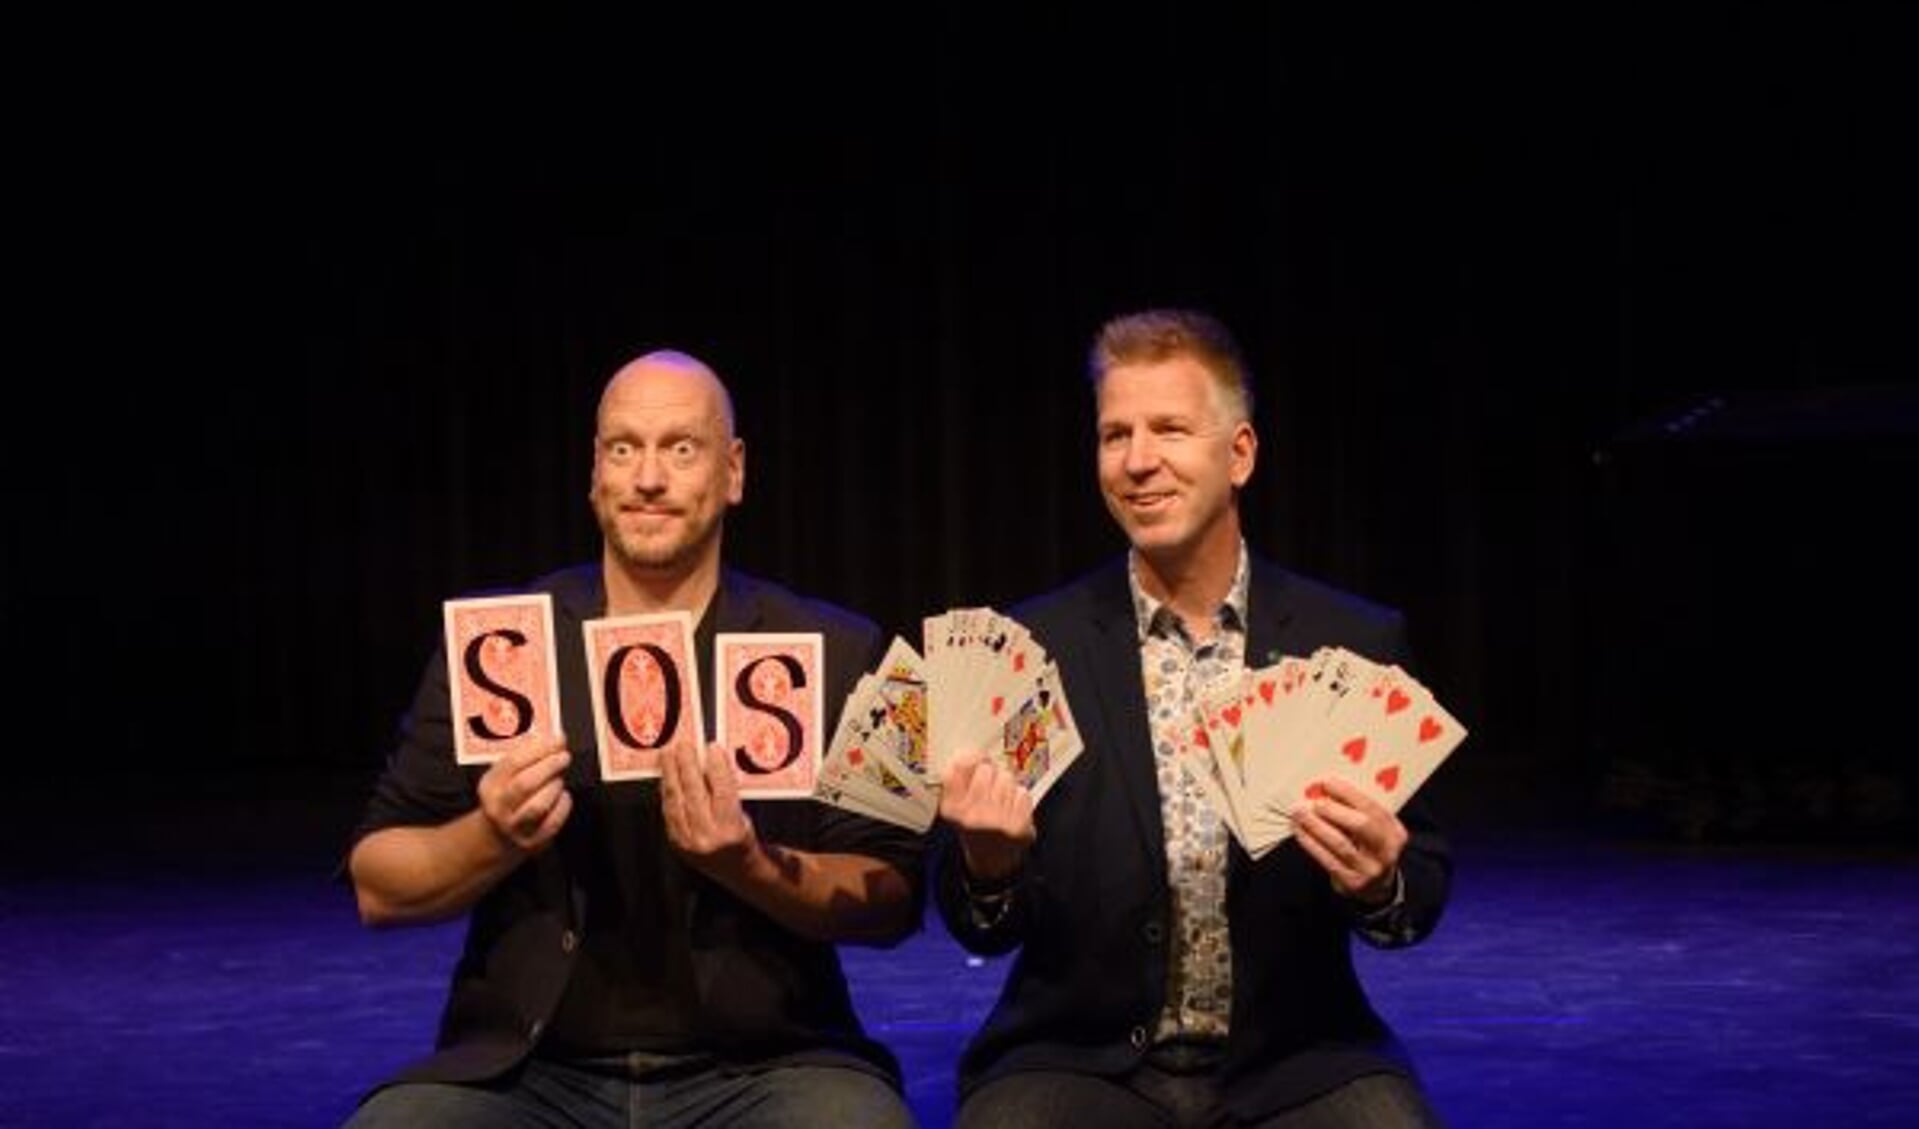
684 450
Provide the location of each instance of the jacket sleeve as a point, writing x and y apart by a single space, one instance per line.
986 922
1425 883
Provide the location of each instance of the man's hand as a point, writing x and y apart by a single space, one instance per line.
992 814
824 896
523 795
412 875
705 821
1354 839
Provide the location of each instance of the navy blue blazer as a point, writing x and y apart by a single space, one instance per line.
1091 913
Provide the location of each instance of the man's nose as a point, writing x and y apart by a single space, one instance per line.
649 472
1142 455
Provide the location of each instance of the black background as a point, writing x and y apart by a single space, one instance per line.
1582 337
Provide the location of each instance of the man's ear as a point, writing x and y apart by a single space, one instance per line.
735 472
1245 453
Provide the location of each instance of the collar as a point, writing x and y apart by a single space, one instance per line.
1151 617
735 606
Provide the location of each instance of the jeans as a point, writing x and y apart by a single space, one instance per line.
1153 1098
658 1094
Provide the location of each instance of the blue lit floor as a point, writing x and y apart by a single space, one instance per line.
1570 986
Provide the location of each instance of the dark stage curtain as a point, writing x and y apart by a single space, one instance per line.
336 333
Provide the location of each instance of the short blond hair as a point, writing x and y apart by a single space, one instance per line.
1150 336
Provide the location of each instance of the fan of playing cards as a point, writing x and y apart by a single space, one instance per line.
982 684
1270 739
1256 749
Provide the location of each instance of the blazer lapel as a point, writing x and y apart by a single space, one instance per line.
1123 716
1269 608
1269 611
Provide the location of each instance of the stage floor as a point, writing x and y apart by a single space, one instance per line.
1573 984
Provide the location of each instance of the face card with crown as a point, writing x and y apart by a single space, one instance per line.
902 689
857 773
1040 740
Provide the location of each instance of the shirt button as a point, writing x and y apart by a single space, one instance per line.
1152 932
569 941
1138 1038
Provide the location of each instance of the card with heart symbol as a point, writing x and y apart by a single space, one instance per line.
1291 726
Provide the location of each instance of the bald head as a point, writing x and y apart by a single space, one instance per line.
666 466
668 375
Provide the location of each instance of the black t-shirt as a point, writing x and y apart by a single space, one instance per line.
632 985
607 942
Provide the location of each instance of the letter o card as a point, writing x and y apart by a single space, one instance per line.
502 680
771 717
646 691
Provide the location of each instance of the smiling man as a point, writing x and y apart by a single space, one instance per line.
1164 976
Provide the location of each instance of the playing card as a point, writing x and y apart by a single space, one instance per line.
876 762
1388 738
984 665
901 688
1222 719
1331 674
1040 740
1228 721
1259 747
771 719
1007 663
1192 751
1275 695
946 643
502 679
848 793
860 772
980 682
1272 709
871 722
646 692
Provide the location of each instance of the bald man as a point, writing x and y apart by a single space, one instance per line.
654 953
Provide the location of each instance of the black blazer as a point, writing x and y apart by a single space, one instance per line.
762 991
1092 912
